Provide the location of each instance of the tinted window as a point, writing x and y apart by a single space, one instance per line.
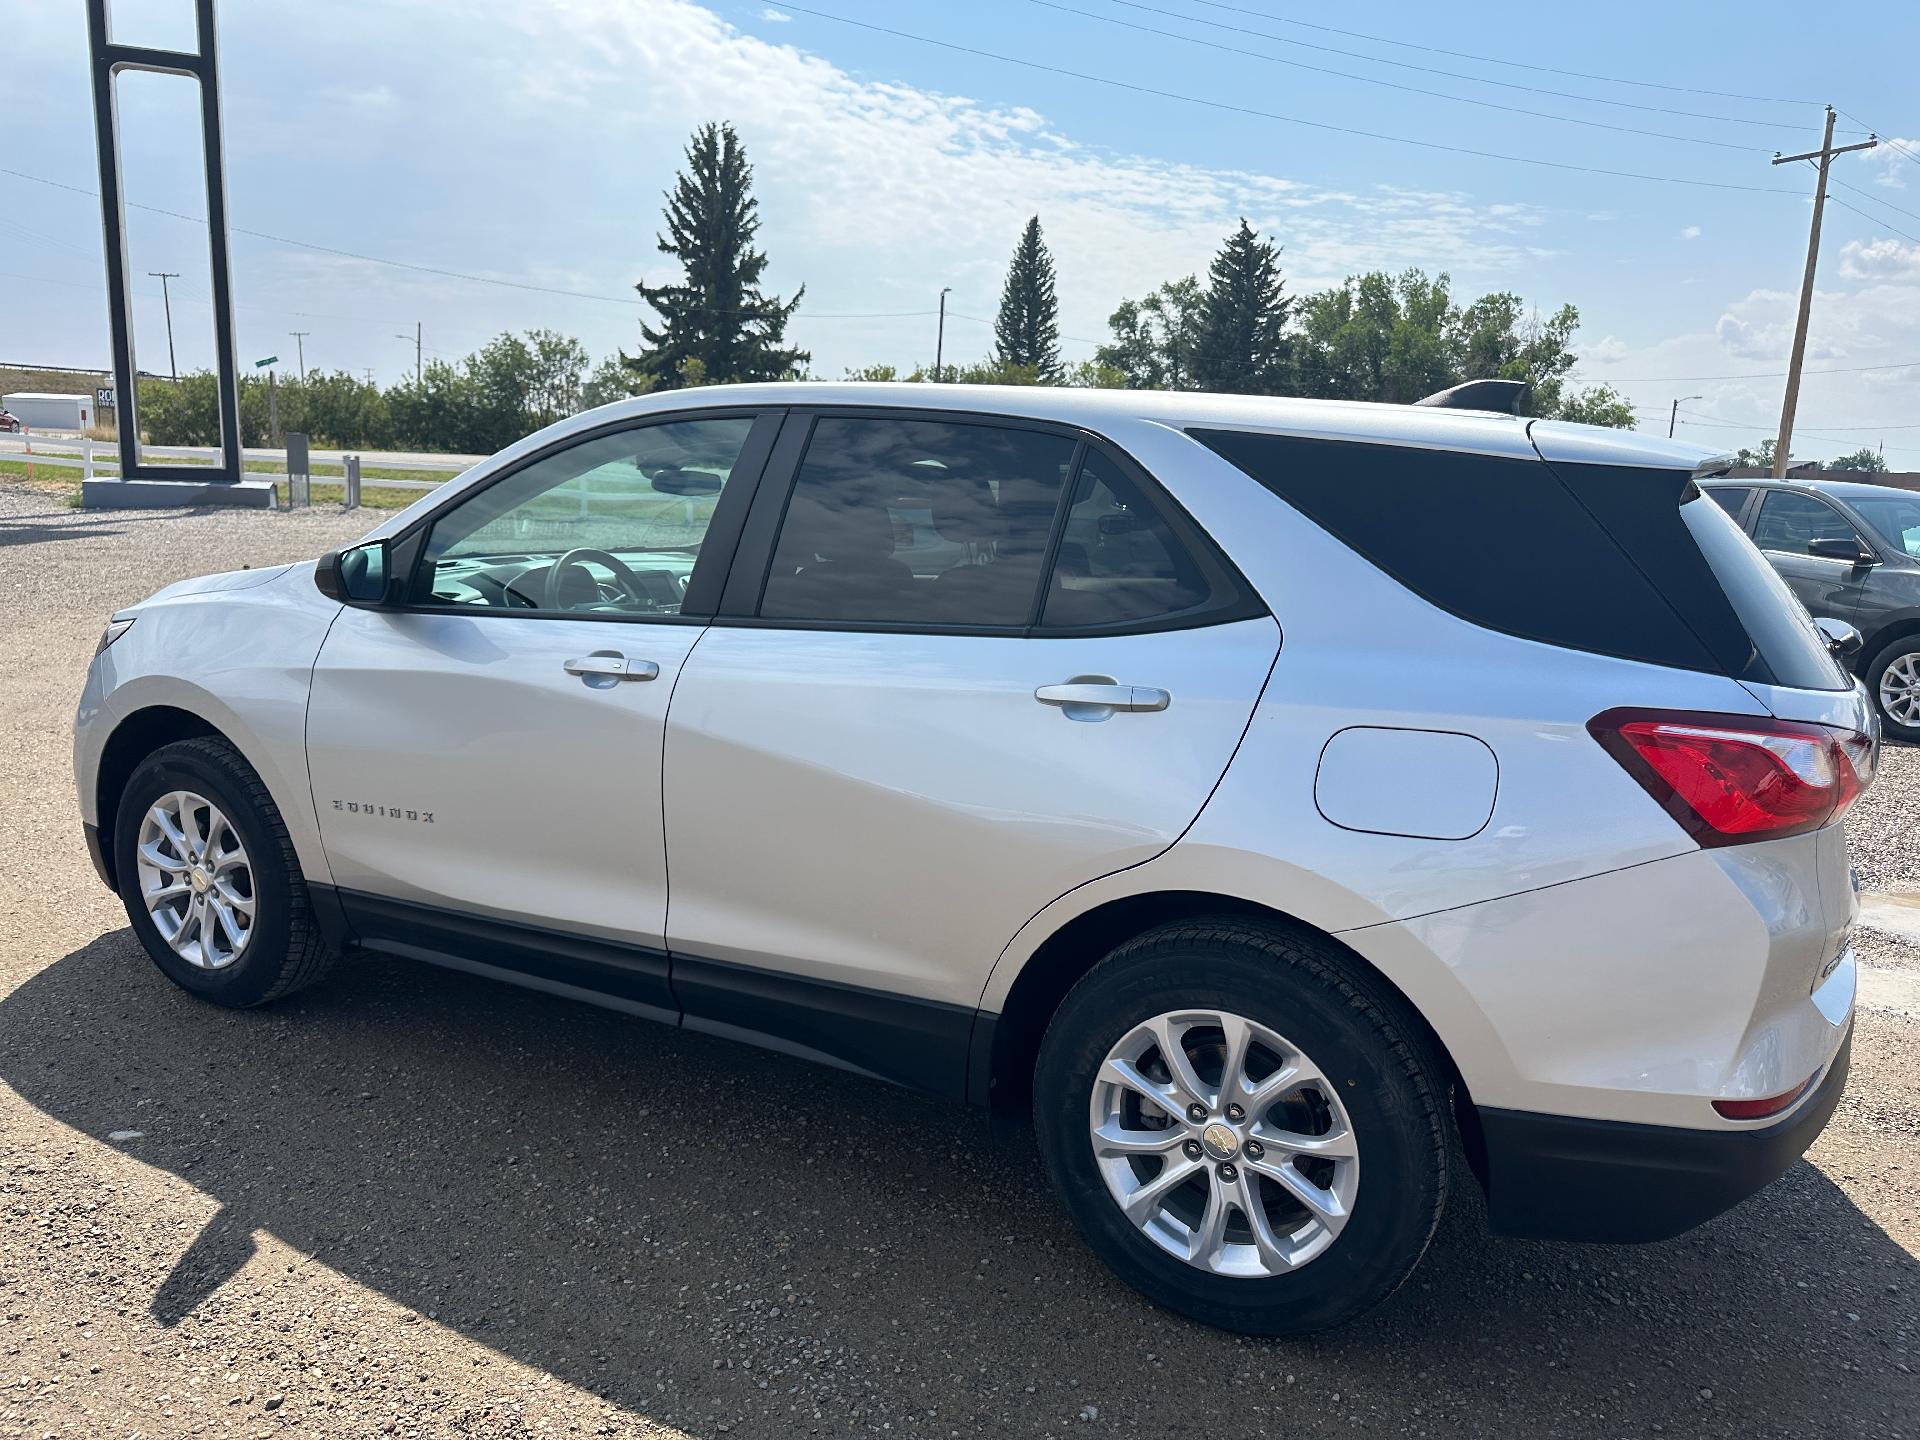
1896 517
917 522
1122 561
1501 542
611 525
1789 520
1731 500
1792 651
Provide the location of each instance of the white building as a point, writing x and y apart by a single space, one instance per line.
50 412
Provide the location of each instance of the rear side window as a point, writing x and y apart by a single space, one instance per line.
918 523
1124 560
1730 499
1497 541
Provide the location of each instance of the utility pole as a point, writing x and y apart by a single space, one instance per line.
416 353
1791 401
368 372
167 301
940 337
1674 417
300 348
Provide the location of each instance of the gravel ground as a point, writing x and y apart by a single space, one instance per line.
415 1203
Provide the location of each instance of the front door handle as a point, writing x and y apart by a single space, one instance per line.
1094 697
612 667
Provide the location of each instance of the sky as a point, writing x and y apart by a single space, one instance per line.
453 163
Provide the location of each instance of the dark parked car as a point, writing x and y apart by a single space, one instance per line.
1851 552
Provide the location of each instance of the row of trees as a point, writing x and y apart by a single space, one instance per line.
508 388
1377 337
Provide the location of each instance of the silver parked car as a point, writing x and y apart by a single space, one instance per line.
1267 796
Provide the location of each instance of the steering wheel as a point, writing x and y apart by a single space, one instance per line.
622 574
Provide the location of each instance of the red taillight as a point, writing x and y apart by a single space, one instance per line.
1729 778
1760 1109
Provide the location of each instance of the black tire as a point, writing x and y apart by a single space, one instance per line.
1359 1035
285 950
1878 667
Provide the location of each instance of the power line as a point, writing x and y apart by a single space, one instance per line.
1899 146
1884 225
1869 195
438 270
1449 74
1513 64
1233 109
1746 375
1375 80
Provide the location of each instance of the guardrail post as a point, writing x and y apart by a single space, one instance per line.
350 472
86 457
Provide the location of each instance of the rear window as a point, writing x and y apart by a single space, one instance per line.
1791 649
1730 498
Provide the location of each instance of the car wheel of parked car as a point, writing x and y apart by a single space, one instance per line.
1244 1125
1893 680
210 880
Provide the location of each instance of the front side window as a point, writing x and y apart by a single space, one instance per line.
612 525
1790 521
917 523
1896 518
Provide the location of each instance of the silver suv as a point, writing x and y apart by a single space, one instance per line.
1267 797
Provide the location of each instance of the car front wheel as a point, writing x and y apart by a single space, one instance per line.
209 878
1245 1127
1893 680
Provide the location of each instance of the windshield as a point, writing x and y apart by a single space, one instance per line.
1895 519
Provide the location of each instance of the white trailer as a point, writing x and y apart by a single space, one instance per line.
50 412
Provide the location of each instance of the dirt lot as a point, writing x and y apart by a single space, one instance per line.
417 1203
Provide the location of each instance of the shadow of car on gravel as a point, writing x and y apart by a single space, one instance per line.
641 1212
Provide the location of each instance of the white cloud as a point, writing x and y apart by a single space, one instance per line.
1607 349
777 17
876 193
1896 159
1886 259
1692 232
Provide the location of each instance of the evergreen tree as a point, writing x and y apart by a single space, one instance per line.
1027 331
714 325
1242 347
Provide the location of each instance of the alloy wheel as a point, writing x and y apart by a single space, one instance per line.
196 880
1223 1143
1900 689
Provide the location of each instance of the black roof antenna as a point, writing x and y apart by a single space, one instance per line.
1502 395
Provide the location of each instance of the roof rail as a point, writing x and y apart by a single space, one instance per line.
1501 395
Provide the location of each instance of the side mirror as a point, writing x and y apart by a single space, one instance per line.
1842 639
359 576
1836 548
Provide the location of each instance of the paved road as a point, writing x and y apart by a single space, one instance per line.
416 1203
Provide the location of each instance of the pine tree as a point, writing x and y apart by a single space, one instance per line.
1242 346
715 325
1027 332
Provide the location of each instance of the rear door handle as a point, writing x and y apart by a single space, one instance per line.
612 667
1093 698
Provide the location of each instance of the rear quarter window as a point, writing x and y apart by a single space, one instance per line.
1495 540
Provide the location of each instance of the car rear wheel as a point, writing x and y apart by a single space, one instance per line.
1244 1126
1893 680
209 878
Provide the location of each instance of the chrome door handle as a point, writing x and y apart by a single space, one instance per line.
613 667
1087 695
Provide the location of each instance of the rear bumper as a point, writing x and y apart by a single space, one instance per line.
1554 1177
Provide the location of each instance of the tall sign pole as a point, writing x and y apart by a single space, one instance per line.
1791 401
108 59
